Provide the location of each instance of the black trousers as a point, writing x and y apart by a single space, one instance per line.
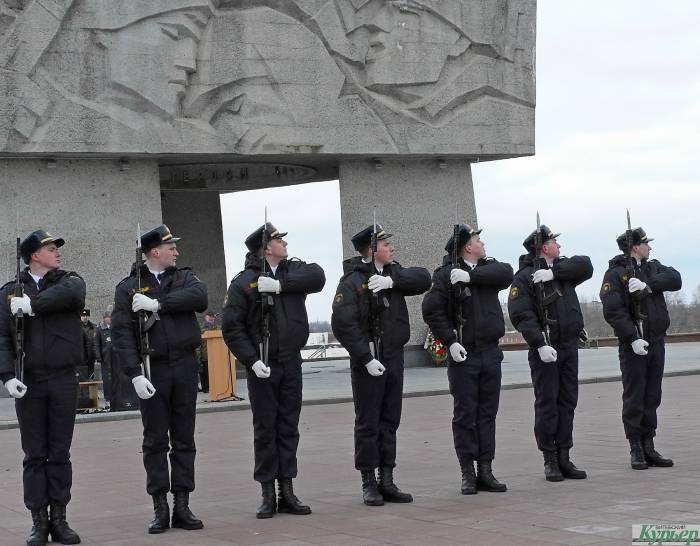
641 388
168 426
276 405
46 416
475 385
556 396
377 413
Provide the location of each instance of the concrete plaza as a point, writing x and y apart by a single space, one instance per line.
110 506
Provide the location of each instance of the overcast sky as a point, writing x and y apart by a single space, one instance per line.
618 126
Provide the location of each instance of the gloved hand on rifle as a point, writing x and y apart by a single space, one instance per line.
143 387
16 388
268 284
378 283
542 275
375 368
457 352
547 354
459 275
260 370
640 347
635 285
23 303
144 303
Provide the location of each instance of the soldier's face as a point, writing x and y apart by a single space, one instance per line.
385 252
642 251
476 247
165 255
550 249
48 256
277 248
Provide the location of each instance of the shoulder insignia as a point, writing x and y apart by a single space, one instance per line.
254 284
606 287
625 278
514 293
338 298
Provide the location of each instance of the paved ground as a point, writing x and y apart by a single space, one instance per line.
330 380
111 508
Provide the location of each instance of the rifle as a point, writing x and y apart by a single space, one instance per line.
375 304
19 321
543 300
267 302
457 292
144 322
630 272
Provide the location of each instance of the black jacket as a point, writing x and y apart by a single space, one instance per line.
617 303
53 338
103 345
522 302
482 313
176 334
289 324
89 354
351 308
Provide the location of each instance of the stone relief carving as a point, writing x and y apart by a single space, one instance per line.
267 76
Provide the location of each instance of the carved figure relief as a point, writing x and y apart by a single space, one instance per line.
267 76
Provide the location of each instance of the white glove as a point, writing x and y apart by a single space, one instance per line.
144 303
23 303
547 354
16 388
380 282
259 369
268 284
635 285
459 275
457 352
375 368
542 275
143 387
639 346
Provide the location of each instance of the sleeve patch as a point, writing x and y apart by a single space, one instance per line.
606 287
338 298
514 292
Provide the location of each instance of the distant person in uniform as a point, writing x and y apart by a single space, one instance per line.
88 343
104 356
208 325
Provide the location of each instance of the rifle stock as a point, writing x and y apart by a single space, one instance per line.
630 272
267 301
19 320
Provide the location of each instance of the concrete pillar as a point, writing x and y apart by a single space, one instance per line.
93 204
416 200
196 217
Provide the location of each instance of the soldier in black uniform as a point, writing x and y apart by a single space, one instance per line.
554 368
89 355
275 386
169 398
208 324
474 371
104 356
46 401
375 283
641 345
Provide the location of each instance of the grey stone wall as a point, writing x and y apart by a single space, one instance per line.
256 77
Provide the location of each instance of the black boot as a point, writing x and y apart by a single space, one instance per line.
370 492
653 457
59 528
468 477
183 518
287 501
268 507
568 468
485 480
39 535
552 473
637 455
388 489
161 510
